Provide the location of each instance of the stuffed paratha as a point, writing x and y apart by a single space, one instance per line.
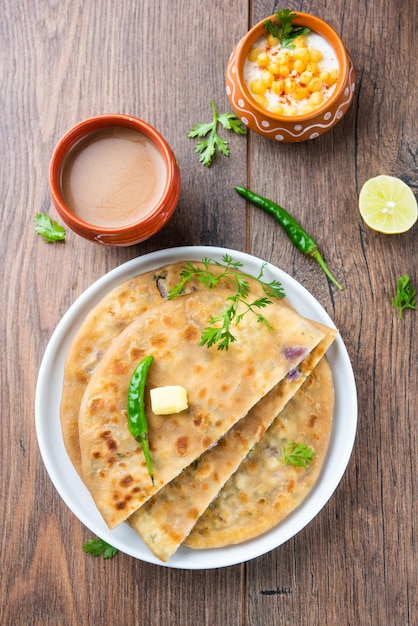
222 387
167 518
104 322
119 308
265 490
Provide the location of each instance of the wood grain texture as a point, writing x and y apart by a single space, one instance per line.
356 562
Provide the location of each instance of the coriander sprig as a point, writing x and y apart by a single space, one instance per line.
212 142
405 295
48 228
283 30
222 335
219 332
99 547
297 454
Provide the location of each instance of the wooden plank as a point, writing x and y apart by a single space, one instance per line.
355 563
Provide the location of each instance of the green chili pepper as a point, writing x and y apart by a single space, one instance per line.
137 419
302 241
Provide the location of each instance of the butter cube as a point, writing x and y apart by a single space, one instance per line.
169 399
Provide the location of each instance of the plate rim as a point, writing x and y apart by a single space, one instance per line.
185 558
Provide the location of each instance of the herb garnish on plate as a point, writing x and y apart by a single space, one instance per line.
297 454
219 330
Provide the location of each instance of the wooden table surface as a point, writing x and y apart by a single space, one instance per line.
356 562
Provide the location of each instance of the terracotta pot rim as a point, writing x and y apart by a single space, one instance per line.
145 225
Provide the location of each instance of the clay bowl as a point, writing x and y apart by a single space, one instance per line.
290 128
141 226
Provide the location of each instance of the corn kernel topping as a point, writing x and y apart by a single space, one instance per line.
291 82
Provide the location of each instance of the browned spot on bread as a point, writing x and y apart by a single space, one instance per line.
126 481
290 487
278 503
111 444
250 371
173 535
119 367
96 454
312 419
182 445
168 320
96 405
158 340
136 354
191 333
193 513
201 419
121 501
82 378
207 441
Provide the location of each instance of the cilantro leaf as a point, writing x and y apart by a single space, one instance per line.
405 295
212 142
282 28
218 332
230 122
48 228
99 547
200 130
297 454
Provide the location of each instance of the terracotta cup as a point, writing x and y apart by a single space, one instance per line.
117 235
287 128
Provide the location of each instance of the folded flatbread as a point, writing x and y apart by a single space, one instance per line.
222 387
104 322
108 318
167 518
265 490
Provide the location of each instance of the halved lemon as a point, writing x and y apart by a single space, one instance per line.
387 204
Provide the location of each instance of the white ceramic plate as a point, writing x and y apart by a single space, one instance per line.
73 491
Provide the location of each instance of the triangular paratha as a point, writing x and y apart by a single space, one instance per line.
222 387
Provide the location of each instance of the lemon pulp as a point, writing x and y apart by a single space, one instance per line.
387 204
